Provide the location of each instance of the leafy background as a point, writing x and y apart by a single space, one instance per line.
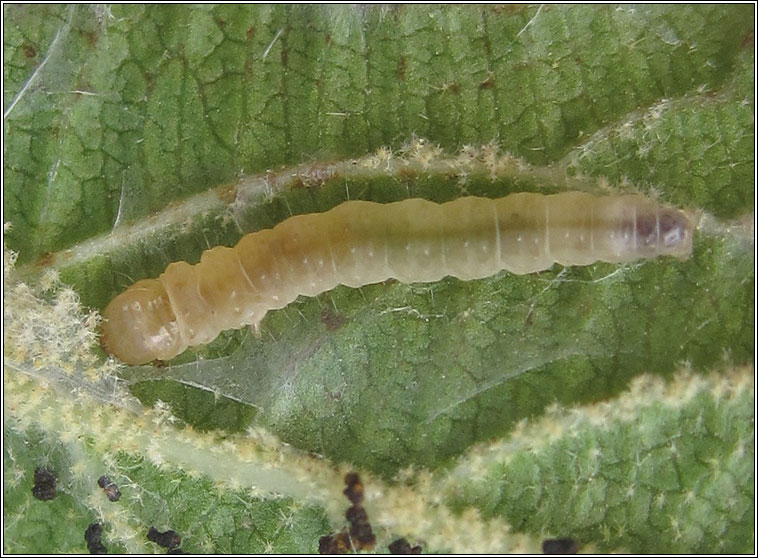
118 115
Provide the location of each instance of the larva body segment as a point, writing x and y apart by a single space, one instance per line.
359 243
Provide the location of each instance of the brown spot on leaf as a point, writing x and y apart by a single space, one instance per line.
401 67
227 193
29 50
45 260
91 37
748 40
332 320
488 83
407 173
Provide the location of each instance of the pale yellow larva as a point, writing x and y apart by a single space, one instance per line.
359 243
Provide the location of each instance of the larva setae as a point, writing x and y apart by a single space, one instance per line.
360 242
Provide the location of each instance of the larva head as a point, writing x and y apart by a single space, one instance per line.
665 232
140 325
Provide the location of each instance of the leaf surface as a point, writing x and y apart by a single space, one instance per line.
127 132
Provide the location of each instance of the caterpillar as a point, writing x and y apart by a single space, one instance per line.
360 242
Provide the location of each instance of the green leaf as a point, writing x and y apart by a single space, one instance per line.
141 135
